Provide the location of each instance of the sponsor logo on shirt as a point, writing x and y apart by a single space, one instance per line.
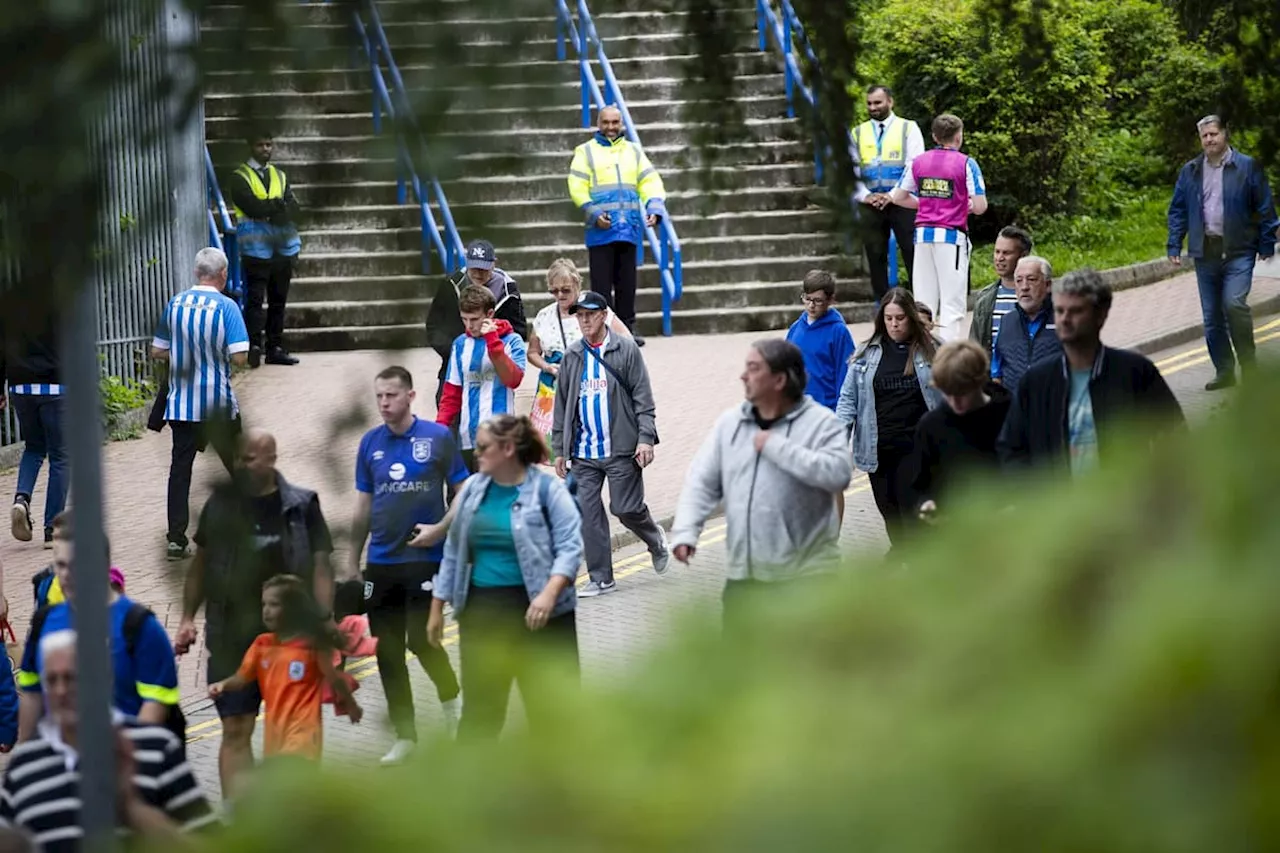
396 472
406 486
594 386
936 188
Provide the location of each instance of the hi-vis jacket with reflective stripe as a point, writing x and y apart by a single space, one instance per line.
882 161
616 178
259 238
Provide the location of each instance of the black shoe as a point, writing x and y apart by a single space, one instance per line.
279 356
255 356
638 339
1222 380
48 538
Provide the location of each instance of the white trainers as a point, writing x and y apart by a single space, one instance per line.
452 714
20 520
594 589
662 559
399 753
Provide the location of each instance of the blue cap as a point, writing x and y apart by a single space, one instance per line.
480 255
589 301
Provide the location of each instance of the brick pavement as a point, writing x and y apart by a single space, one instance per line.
319 409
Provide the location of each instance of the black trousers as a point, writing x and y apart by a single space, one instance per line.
189 438
398 607
269 278
877 226
498 649
890 484
613 273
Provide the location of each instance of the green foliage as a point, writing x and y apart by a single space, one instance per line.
120 397
1099 677
1133 233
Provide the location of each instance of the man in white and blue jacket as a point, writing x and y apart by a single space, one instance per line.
1222 205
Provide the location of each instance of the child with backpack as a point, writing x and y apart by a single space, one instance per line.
292 664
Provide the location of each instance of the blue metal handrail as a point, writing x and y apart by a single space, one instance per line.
665 247
222 233
786 29
391 100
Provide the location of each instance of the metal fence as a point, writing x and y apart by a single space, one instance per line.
153 192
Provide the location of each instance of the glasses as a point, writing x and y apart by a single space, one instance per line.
560 291
814 299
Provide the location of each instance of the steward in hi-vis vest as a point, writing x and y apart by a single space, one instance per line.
269 244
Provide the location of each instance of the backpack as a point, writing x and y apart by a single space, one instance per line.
175 721
41 582
544 494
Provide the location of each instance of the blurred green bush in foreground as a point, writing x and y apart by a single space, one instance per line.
1094 669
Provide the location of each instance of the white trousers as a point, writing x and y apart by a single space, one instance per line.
940 279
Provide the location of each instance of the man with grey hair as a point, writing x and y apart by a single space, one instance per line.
777 462
1065 407
201 335
1026 335
1222 205
157 795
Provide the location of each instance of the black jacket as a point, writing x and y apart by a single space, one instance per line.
29 355
948 445
1123 384
444 324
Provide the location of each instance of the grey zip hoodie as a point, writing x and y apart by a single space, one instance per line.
779 504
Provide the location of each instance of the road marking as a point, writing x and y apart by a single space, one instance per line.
1203 357
363 668
1199 355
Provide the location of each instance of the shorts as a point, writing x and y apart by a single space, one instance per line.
224 663
396 586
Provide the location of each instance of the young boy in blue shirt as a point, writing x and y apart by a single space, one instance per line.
823 338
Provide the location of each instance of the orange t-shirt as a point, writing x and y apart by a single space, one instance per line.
288 675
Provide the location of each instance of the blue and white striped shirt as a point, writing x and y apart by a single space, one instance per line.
201 328
594 439
483 394
37 390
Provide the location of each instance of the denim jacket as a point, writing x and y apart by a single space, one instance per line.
857 406
540 552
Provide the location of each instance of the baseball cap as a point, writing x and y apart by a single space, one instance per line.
589 301
480 255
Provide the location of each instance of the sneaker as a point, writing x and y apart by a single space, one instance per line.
399 753
452 714
20 519
662 558
48 538
594 589
175 552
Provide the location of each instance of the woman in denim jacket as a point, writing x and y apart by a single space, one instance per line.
514 547
888 388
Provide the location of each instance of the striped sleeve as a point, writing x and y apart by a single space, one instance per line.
163 338
177 791
974 178
236 331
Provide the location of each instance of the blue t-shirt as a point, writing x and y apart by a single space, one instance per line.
149 675
489 539
1082 434
406 474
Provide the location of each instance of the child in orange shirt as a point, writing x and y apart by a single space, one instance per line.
291 665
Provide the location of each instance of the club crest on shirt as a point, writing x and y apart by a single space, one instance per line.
421 449
297 669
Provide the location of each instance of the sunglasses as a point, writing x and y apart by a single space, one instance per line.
560 291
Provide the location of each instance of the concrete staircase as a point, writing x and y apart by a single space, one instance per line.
509 135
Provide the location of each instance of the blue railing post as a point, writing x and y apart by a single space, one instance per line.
893 259
760 25
787 64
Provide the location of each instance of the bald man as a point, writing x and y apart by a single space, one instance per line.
258 526
620 194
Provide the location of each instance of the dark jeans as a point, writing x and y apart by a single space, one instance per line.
40 418
190 438
1224 300
497 649
877 225
398 607
269 278
613 273
890 484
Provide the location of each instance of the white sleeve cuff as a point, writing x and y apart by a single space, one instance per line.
240 347
159 344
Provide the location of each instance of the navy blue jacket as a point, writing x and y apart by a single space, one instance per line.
1248 214
1015 351
8 705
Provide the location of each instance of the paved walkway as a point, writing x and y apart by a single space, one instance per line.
319 409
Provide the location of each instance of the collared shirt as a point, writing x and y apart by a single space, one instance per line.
1211 190
201 329
914 148
594 432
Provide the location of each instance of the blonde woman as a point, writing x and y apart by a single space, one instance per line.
551 335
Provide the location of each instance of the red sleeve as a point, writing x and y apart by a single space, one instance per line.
508 371
450 404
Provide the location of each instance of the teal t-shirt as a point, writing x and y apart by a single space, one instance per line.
1082 435
493 548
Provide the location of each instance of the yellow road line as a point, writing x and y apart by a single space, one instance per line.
362 668
1198 353
1203 357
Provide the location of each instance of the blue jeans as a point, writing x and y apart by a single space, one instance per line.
1224 298
40 418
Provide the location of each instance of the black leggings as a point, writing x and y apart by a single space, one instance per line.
497 648
398 608
890 485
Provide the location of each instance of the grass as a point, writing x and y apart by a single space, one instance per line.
1134 234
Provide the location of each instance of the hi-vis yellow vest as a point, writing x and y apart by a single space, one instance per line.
257 238
882 161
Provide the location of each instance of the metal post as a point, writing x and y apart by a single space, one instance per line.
893 259
761 22
786 64
96 738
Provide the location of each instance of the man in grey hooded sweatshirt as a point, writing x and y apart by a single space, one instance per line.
777 462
